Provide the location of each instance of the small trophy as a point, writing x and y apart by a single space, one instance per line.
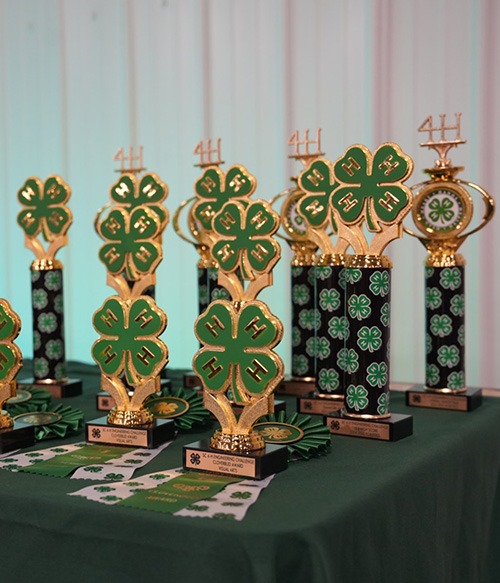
442 211
304 321
129 351
208 288
13 434
327 319
45 211
128 193
365 190
236 362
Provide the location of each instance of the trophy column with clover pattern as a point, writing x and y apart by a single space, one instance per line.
238 336
13 434
304 320
442 211
129 351
318 183
45 212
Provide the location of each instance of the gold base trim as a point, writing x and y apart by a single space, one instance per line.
51 381
6 421
46 264
130 418
303 379
330 396
442 258
237 443
365 416
445 390
332 259
369 262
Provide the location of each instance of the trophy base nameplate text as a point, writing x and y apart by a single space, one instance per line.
295 387
417 396
105 402
191 381
17 437
314 405
393 428
58 390
257 464
149 436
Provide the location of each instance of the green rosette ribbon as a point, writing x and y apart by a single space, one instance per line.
38 398
166 406
303 437
70 420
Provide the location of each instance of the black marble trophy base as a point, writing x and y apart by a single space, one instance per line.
105 402
295 387
417 396
393 428
148 436
17 437
314 405
59 390
260 464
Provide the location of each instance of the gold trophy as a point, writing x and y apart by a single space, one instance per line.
364 198
304 322
45 213
13 434
236 362
129 351
443 209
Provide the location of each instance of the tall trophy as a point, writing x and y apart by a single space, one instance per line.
129 351
366 199
13 434
132 190
304 320
207 269
45 213
236 362
442 211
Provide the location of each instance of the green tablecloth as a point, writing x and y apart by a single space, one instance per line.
422 510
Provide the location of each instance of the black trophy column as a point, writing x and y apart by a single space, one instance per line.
202 289
365 358
215 291
48 325
304 321
333 330
445 328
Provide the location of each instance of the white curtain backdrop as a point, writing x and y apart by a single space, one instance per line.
81 78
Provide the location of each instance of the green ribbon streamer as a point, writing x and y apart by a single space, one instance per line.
179 492
61 466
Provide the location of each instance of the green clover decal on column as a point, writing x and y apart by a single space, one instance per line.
129 242
319 180
237 351
371 185
214 189
129 340
11 358
44 207
149 192
245 238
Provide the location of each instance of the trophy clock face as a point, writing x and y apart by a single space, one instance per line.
442 210
293 223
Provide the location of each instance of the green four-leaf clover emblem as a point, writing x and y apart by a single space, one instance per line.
44 207
214 189
371 186
319 180
356 397
245 238
10 354
149 192
129 340
236 351
130 244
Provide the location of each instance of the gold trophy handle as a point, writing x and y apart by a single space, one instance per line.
175 221
489 210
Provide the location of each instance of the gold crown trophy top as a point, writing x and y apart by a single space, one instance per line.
237 335
443 209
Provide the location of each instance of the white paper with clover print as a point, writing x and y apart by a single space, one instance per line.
119 469
232 503
14 462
